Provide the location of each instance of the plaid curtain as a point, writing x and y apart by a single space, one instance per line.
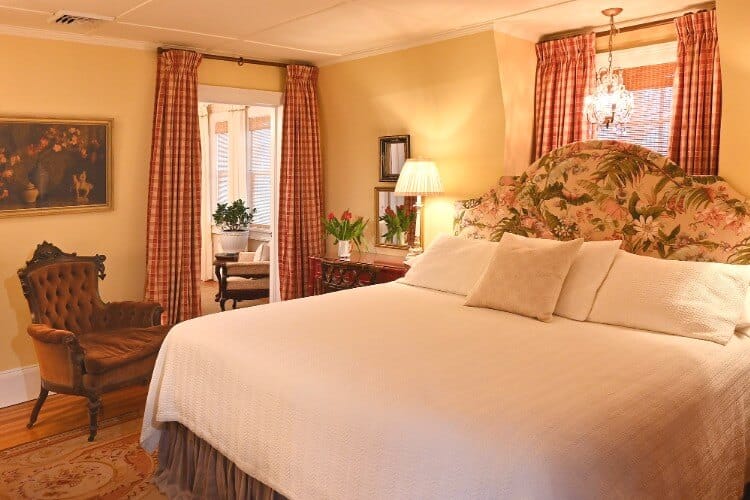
173 247
694 141
301 185
565 71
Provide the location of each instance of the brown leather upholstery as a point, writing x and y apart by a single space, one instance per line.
103 351
86 346
67 296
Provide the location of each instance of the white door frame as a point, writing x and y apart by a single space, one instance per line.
250 97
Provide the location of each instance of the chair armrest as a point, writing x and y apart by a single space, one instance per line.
131 314
261 268
60 357
49 335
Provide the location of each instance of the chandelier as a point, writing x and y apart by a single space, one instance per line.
611 102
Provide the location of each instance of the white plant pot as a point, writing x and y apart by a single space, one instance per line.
345 249
234 241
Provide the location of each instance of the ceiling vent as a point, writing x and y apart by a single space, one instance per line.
66 17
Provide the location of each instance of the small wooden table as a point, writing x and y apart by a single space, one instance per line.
220 260
330 273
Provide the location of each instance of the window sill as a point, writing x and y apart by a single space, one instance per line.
260 233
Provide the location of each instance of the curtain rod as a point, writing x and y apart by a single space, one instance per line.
634 27
239 60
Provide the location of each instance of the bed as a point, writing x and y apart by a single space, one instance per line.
322 399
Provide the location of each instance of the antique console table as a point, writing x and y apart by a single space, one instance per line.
331 273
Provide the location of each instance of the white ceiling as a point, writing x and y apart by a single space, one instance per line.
318 31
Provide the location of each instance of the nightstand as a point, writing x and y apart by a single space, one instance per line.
330 274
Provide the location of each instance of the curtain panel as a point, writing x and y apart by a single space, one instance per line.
173 248
300 231
565 71
696 122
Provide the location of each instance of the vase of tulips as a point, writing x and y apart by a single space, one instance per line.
398 223
346 232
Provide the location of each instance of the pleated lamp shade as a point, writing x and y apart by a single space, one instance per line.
418 177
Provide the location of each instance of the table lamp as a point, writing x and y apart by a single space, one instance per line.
418 178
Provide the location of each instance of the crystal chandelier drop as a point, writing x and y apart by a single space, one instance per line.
611 102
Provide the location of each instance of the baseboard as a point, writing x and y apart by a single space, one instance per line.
19 385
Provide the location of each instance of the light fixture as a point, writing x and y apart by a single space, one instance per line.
611 102
418 178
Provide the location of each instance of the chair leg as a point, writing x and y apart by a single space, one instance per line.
37 406
234 304
95 404
221 304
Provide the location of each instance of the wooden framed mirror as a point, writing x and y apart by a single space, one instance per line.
395 219
394 151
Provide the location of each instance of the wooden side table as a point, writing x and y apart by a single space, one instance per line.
220 260
330 273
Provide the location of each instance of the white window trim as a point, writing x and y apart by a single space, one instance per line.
249 97
244 97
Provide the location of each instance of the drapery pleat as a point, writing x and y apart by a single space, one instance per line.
301 184
696 122
565 71
173 241
189 467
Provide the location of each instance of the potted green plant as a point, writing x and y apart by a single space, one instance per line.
345 231
233 219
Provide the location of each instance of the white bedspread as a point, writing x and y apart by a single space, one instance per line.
397 392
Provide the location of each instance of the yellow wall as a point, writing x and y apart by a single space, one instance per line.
62 79
734 45
516 61
468 104
445 95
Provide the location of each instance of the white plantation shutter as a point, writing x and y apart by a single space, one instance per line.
260 161
222 163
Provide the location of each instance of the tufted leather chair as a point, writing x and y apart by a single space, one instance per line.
85 346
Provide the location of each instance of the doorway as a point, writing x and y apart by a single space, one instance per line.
241 149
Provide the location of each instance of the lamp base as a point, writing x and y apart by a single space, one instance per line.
413 252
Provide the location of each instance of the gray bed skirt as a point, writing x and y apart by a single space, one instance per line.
190 468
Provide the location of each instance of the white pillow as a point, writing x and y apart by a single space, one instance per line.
701 300
589 268
450 264
262 253
524 278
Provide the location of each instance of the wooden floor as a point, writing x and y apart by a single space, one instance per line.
62 413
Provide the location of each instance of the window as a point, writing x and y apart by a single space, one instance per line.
259 165
652 86
242 155
221 160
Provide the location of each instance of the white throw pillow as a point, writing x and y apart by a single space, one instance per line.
450 264
262 253
525 278
701 300
589 268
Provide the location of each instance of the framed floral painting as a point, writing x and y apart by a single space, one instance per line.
51 165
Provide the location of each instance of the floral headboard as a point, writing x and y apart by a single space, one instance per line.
604 190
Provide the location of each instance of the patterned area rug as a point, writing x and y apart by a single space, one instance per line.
67 466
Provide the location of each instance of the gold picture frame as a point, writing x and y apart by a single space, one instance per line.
385 197
55 165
